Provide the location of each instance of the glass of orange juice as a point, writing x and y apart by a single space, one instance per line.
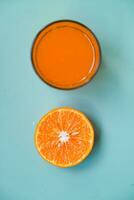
66 54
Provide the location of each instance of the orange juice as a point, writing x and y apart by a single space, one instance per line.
66 54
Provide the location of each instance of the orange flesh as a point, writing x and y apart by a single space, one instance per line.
64 137
66 54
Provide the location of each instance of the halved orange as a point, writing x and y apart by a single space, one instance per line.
64 137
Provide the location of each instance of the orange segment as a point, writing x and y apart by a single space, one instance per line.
64 137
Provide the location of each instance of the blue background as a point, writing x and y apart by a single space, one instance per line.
108 173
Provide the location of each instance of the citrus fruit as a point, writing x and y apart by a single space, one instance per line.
64 137
66 54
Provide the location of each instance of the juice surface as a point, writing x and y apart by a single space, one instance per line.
66 54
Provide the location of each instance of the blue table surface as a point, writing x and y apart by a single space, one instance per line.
108 173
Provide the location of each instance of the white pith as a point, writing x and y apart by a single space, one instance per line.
63 137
